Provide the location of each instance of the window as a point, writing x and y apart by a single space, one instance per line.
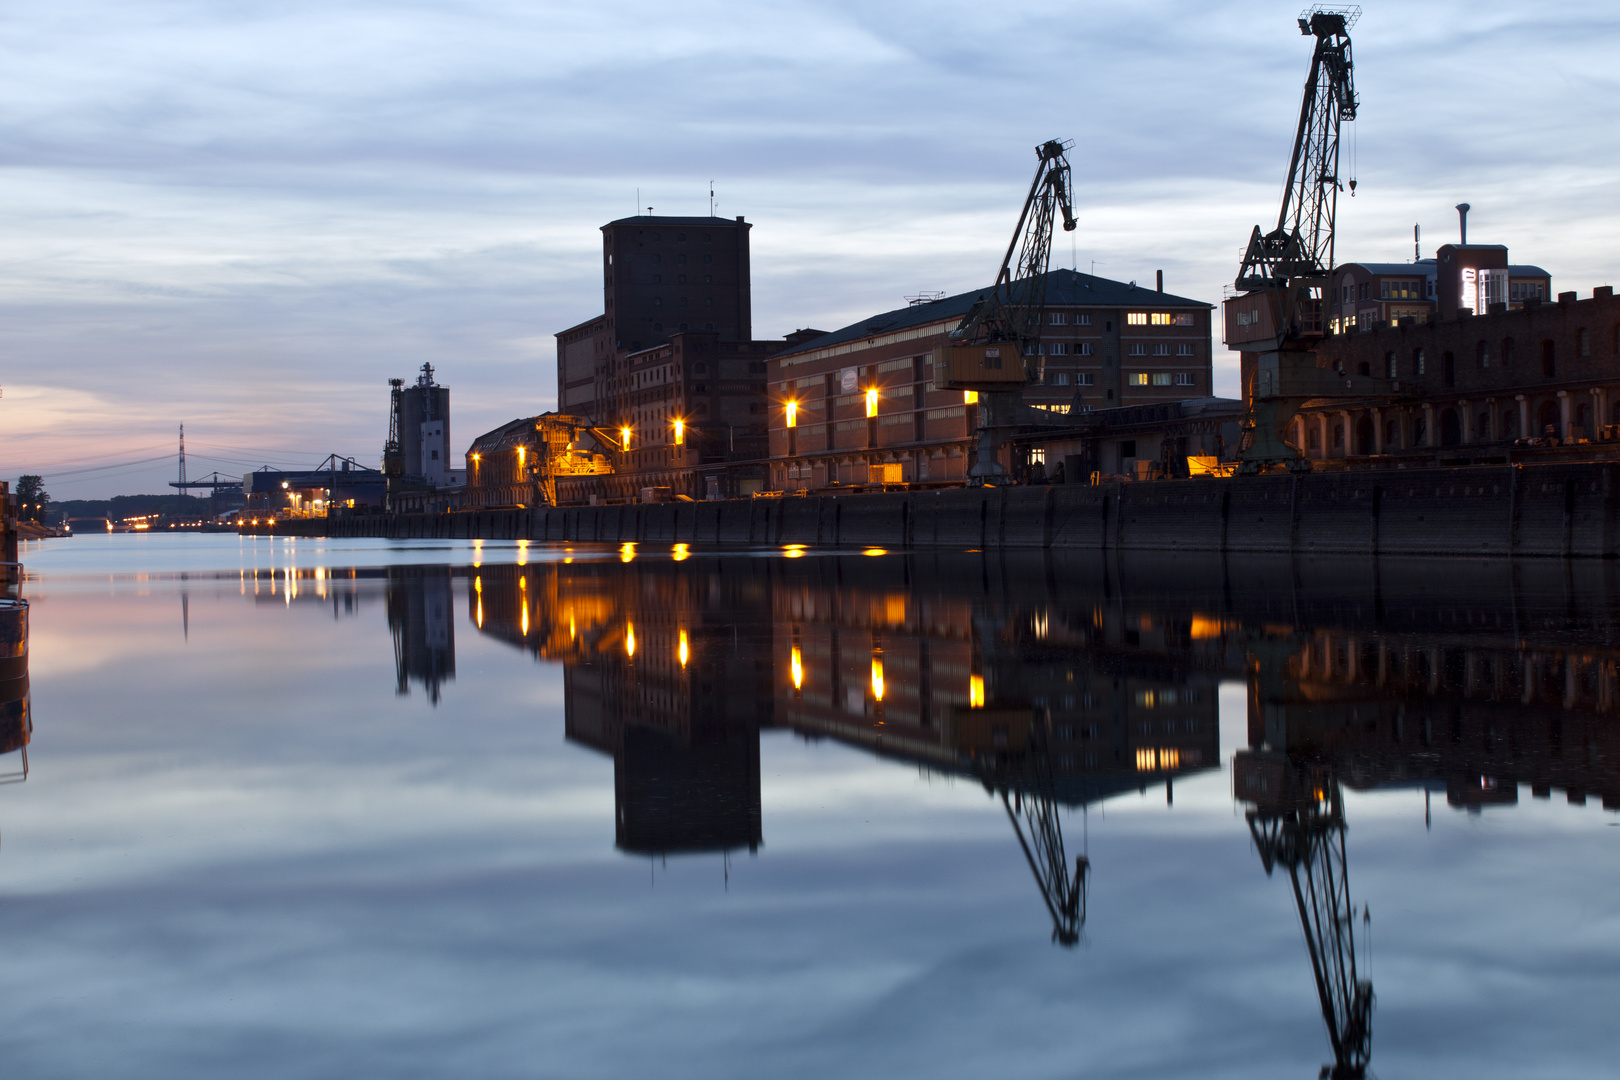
658 279
680 279
700 368
1057 318
708 258
1057 348
1137 378
1549 365
1417 360
1161 350
1161 378
1507 352
1086 378
1059 378
1184 318
1085 348
1184 350
1583 343
1366 286
680 258
1136 318
1082 320
1185 378
1137 350
1160 318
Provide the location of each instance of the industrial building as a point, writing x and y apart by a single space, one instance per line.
671 367
862 405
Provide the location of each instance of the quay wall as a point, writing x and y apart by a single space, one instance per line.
1555 510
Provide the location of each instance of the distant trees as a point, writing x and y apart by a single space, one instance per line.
32 498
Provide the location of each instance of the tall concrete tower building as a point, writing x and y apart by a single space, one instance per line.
662 275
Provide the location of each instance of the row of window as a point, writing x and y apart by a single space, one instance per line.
1160 318
1161 378
1086 348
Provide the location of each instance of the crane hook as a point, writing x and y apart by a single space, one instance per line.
1352 187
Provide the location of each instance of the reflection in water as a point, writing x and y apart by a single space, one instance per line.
16 714
1057 684
421 618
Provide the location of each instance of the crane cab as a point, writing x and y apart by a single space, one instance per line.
997 366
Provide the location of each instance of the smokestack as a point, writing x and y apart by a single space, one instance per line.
1161 281
1462 217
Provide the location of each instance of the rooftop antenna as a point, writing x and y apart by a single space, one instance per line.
1417 247
711 198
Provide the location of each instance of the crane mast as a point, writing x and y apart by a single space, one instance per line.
995 350
1277 317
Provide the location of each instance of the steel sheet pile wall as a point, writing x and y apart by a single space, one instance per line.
1554 510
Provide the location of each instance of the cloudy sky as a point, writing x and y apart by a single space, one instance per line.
247 217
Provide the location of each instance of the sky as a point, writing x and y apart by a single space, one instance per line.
247 217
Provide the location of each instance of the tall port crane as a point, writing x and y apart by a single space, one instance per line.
1278 315
995 350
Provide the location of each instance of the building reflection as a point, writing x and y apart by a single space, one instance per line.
16 702
421 618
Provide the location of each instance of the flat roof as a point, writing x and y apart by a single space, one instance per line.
700 222
1064 288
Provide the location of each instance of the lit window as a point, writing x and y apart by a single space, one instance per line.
1136 318
1137 378
1160 318
1161 378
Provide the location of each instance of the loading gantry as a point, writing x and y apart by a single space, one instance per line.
995 350
1278 317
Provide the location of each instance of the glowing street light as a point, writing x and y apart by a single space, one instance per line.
624 438
682 650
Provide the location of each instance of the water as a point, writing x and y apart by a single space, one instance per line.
339 809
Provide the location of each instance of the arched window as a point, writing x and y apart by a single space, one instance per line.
1583 343
1507 352
1450 428
1420 431
1417 361
1392 434
1549 365
1364 368
1389 359
1583 420
1547 419
1482 353
1338 436
1448 369
1510 423
1482 424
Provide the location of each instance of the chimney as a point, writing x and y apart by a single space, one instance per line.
1161 281
1462 217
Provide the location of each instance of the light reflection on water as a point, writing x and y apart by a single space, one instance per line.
352 808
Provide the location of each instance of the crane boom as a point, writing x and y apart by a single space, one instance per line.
1277 317
995 349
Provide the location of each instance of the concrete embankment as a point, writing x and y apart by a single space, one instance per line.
1553 510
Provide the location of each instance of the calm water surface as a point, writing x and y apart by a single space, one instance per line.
354 809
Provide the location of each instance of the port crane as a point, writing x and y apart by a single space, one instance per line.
995 350
1278 313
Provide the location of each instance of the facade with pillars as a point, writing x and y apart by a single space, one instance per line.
860 405
1541 376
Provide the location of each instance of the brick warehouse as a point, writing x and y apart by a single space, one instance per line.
671 361
1476 384
1107 344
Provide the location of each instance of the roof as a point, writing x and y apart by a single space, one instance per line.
1526 270
706 222
1063 288
1407 269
